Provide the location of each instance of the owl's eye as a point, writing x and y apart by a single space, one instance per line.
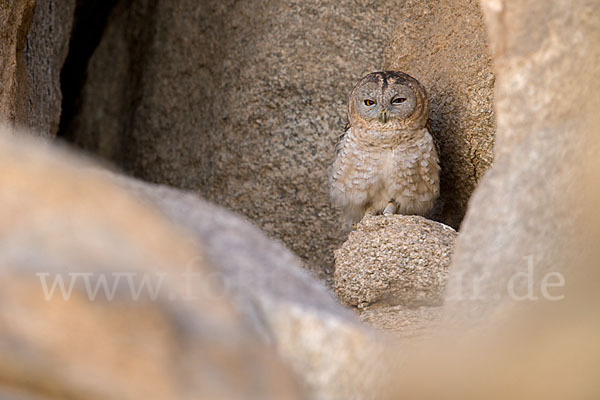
369 102
398 100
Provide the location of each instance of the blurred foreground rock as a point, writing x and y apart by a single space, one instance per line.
231 305
394 260
534 215
335 355
526 214
60 220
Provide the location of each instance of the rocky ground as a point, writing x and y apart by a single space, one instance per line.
212 127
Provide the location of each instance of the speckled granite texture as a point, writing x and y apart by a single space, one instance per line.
394 260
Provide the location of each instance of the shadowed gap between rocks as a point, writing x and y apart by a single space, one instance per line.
89 25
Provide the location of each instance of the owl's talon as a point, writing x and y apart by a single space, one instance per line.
390 209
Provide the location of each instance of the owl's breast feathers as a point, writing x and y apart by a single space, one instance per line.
403 168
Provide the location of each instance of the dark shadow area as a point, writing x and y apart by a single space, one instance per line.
89 25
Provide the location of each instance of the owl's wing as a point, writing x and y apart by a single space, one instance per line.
435 141
341 138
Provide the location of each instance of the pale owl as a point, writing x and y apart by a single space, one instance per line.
387 161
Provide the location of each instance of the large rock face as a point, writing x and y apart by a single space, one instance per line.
444 45
243 102
527 210
152 333
291 310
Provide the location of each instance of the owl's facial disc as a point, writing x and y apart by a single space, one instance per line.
385 104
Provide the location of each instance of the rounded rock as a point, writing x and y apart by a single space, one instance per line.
394 260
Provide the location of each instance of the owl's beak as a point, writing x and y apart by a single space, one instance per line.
383 117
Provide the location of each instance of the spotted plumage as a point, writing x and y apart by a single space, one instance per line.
386 160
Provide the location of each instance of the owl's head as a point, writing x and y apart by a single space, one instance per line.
388 100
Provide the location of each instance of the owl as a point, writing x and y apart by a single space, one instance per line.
387 161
